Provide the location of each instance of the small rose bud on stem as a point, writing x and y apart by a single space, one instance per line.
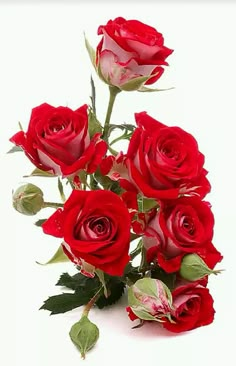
84 334
28 199
193 268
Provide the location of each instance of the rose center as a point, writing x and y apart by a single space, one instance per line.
99 226
95 228
188 225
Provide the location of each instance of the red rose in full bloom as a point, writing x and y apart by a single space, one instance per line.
161 162
57 140
181 226
128 50
95 226
193 308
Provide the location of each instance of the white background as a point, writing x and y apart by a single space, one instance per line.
43 59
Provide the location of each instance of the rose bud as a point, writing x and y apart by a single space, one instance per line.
193 268
149 299
28 199
84 334
130 54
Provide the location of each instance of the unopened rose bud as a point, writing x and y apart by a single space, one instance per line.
150 299
84 334
28 199
193 268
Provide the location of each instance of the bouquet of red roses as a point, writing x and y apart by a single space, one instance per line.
135 222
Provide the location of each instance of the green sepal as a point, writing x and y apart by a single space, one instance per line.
15 149
40 222
144 89
94 126
58 257
91 51
61 189
101 277
134 84
39 173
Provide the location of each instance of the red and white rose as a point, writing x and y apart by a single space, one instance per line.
57 140
130 51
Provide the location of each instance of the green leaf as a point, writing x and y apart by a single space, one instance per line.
72 282
89 286
39 173
58 257
40 222
168 278
84 334
61 190
91 51
15 149
145 89
115 290
65 302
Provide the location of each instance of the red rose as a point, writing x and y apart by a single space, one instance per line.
95 226
179 227
57 140
130 49
162 162
193 308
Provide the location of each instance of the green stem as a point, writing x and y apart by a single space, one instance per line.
114 152
137 250
52 204
93 183
91 302
113 93
125 136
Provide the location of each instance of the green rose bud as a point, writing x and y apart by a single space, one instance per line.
193 268
28 199
84 334
150 299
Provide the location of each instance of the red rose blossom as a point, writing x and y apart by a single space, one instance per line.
95 226
161 162
130 49
179 227
193 308
57 140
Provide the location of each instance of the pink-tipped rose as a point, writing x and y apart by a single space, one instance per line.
181 227
130 53
162 162
95 227
193 308
57 140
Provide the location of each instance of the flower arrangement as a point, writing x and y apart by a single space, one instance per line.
136 222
